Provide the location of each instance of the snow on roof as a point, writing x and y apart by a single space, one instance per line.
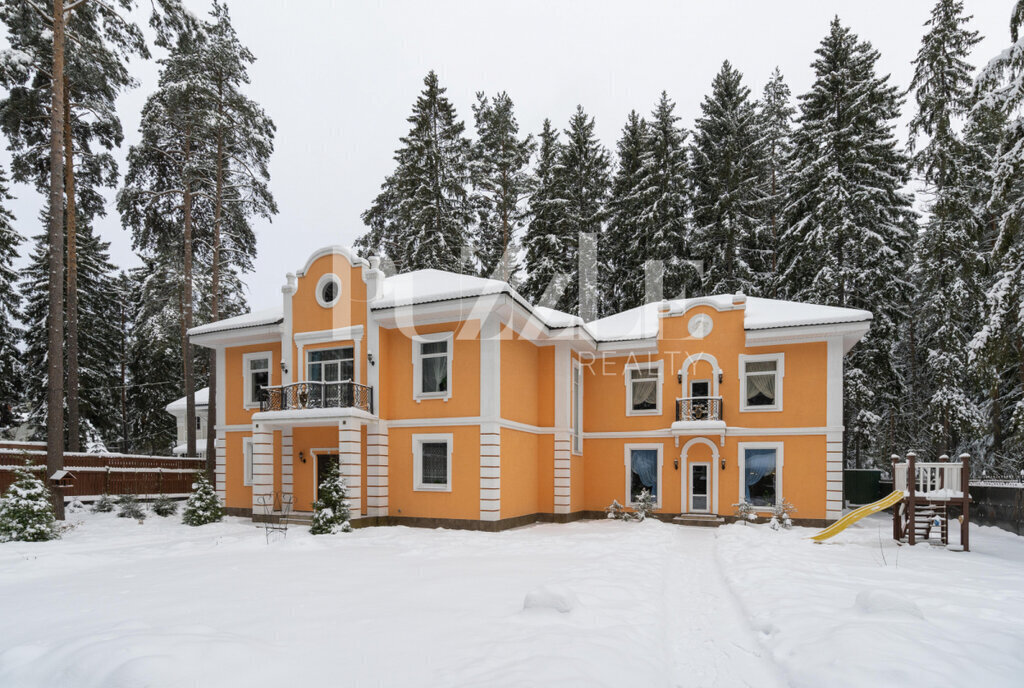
760 314
268 316
202 399
182 448
426 286
556 319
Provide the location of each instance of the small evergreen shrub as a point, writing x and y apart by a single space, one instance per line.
645 505
330 512
164 506
616 511
75 506
744 511
103 505
202 506
782 515
26 509
128 507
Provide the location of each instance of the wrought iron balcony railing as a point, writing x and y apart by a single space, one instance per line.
699 408
317 395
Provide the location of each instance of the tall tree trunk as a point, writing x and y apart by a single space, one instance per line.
211 404
55 343
74 431
124 377
186 325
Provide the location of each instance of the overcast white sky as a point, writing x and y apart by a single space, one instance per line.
339 80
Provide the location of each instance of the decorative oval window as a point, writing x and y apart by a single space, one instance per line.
328 290
700 326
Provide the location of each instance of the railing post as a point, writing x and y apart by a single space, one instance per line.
965 490
896 534
911 498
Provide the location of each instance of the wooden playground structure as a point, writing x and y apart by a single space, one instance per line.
930 491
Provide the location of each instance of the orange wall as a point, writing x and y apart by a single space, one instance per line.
464 499
520 473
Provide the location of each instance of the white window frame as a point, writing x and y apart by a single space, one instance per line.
417 462
310 352
690 495
741 459
648 366
247 376
576 408
417 364
780 373
329 277
627 455
247 461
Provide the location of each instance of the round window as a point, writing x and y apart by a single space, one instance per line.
328 290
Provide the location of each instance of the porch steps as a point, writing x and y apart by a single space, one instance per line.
701 520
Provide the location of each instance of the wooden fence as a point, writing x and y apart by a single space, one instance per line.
114 474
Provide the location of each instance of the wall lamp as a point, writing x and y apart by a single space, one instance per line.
369 357
284 367
723 464
302 457
676 462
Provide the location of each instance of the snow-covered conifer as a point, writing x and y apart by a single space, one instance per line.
103 505
623 249
331 510
164 506
26 509
128 507
11 373
775 114
546 250
644 505
202 506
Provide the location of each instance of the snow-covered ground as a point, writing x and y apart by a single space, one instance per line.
120 604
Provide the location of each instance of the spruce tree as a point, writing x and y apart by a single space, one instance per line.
775 113
11 370
998 346
546 250
849 225
202 506
581 182
948 263
665 199
421 217
727 161
623 249
499 162
331 510
26 509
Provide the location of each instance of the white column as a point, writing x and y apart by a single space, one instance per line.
262 467
220 448
563 440
351 460
220 472
376 470
563 472
490 472
287 469
834 433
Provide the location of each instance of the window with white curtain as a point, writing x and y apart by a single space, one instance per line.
643 389
761 382
761 473
432 462
256 376
432 358
643 471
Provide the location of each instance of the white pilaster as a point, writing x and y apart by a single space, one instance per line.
490 472
376 470
220 472
563 472
834 434
287 469
563 440
262 467
220 448
351 460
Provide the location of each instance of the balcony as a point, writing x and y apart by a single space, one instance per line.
317 395
690 409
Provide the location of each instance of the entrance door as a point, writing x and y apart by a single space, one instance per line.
699 488
322 462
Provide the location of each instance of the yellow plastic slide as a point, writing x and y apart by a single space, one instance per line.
857 514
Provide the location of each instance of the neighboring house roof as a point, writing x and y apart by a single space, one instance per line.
183 448
431 286
178 406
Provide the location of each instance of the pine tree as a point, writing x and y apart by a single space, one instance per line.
665 198
331 510
727 161
501 183
623 249
11 371
546 250
421 217
128 507
775 113
948 262
26 509
849 226
998 346
202 506
581 183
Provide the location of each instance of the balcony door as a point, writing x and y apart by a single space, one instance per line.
700 390
329 366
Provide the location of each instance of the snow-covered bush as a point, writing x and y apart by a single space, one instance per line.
164 506
645 504
128 507
330 512
103 505
75 506
202 506
744 511
26 509
616 511
782 514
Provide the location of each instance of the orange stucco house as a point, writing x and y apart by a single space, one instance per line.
450 400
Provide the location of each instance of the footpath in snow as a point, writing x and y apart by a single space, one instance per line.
607 604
